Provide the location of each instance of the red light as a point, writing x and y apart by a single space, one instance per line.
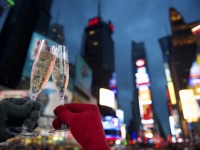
111 142
157 146
139 139
140 62
93 21
111 27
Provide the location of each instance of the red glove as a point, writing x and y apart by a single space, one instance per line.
85 124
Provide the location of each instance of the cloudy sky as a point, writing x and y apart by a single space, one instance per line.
134 20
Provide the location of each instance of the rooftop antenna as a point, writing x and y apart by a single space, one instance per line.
58 13
99 8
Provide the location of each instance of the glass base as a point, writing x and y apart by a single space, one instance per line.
22 132
64 127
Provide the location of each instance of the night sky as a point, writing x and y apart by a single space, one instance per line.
134 20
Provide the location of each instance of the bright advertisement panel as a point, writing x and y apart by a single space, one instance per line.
189 105
113 83
32 50
144 93
107 98
14 94
112 127
50 99
194 77
83 77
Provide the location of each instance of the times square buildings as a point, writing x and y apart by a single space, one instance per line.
179 54
98 52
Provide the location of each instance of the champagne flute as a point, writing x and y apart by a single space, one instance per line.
60 75
41 71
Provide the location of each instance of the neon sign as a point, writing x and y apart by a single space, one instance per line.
140 62
93 21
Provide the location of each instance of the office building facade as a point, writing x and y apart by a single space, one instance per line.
56 33
98 52
183 54
23 18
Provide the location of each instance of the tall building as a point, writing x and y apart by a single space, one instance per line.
183 54
138 52
145 116
175 124
56 33
23 18
99 52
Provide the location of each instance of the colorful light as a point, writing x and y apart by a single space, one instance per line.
189 105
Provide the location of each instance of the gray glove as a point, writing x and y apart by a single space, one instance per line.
14 112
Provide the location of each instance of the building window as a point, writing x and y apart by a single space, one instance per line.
184 80
104 66
91 32
54 29
59 36
167 52
95 43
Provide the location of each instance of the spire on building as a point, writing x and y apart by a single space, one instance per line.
58 13
99 8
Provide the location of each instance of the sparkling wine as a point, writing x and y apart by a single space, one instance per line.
41 71
60 74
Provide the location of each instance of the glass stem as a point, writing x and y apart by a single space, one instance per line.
33 97
61 98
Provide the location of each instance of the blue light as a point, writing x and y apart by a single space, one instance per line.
134 135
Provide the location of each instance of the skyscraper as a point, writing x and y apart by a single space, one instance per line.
183 54
145 116
99 52
56 33
138 52
23 18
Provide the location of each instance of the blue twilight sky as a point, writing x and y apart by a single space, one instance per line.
138 20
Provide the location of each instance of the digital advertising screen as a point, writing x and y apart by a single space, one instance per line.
50 99
112 127
33 46
83 77
194 77
14 94
144 93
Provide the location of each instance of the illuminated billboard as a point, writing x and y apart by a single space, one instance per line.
32 50
194 76
189 105
83 78
144 94
112 127
49 98
113 83
107 98
14 94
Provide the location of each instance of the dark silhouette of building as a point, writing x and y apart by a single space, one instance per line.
183 54
56 33
99 52
143 115
24 18
138 52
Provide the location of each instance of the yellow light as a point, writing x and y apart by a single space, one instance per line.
54 29
148 134
171 92
91 32
189 105
195 28
95 43
198 59
144 95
